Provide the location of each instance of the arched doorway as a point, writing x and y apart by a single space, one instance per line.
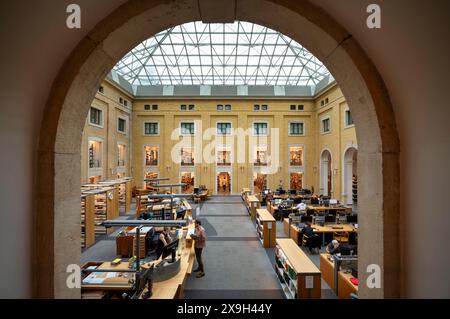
350 176
326 175
57 221
223 183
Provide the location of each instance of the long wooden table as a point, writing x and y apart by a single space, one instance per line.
295 231
324 208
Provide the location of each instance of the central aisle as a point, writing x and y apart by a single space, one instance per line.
236 264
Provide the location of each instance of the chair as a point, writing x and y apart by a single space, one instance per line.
341 237
311 242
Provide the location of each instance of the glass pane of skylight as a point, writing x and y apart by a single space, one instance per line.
239 53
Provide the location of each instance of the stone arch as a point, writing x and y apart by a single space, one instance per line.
56 232
326 170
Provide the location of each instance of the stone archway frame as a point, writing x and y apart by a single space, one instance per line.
330 191
57 216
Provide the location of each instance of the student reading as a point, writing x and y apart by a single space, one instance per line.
163 240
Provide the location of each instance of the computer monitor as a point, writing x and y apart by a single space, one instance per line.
305 219
281 192
170 249
292 192
196 190
144 279
314 201
352 219
347 250
330 219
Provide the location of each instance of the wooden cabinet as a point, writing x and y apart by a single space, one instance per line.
253 205
266 228
124 245
299 277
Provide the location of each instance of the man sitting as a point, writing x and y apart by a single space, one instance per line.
333 247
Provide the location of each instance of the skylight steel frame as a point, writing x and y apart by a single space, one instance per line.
239 53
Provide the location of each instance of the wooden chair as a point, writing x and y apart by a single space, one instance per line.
341 237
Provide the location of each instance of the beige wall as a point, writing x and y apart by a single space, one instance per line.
109 103
242 116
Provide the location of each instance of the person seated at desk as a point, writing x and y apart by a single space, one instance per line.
163 240
301 207
311 236
314 200
333 247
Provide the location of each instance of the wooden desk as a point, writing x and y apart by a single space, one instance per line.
254 204
173 288
168 289
324 208
308 283
347 228
327 270
266 228
345 286
119 281
273 209
201 197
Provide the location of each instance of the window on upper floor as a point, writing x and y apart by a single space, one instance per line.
151 128
223 128
260 128
121 125
348 118
326 126
296 128
187 128
95 117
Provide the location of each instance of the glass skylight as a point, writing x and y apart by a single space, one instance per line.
239 53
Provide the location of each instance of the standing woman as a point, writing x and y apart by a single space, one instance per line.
200 238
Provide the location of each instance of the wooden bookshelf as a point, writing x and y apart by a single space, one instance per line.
266 228
87 221
105 205
299 277
141 200
355 189
245 193
253 205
